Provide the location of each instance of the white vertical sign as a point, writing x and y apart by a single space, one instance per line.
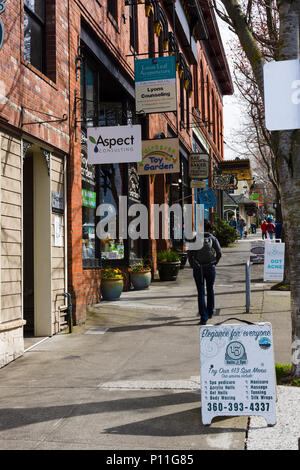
274 261
282 94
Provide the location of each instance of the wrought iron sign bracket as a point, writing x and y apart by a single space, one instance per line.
56 118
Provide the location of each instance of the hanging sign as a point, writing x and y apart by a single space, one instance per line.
201 184
199 165
114 144
2 9
155 85
159 156
225 181
274 261
237 371
207 197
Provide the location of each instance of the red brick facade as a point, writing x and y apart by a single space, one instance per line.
55 92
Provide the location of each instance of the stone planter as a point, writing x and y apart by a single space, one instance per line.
168 270
111 289
140 279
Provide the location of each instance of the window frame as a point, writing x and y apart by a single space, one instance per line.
42 22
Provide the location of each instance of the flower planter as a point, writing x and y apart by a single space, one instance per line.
140 279
111 289
168 271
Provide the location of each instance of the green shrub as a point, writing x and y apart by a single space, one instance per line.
223 231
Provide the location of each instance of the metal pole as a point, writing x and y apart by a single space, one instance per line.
248 287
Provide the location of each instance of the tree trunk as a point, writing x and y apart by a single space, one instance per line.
289 179
287 152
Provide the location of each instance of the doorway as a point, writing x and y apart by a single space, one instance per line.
36 245
28 253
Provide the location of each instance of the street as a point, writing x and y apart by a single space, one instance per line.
130 377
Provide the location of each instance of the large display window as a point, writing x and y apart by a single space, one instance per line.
104 103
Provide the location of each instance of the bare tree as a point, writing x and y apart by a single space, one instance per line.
268 30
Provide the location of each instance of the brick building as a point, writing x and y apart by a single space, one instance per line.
34 144
106 38
66 66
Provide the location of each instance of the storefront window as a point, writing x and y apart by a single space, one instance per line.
112 184
105 104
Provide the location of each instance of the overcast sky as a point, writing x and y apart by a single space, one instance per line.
232 109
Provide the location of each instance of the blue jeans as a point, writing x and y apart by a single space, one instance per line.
271 235
206 273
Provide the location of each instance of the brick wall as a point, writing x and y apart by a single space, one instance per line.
114 37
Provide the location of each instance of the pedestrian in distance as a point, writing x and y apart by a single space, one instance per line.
203 262
233 222
270 228
278 228
241 227
264 230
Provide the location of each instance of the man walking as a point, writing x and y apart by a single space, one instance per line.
203 262
264 230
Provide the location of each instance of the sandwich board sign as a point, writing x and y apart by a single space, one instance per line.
237 371
257 251
274 261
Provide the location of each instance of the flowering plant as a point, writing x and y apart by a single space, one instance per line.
112 273
140 267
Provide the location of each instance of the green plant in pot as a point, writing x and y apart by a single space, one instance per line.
168 265
183 258
112 284
140 276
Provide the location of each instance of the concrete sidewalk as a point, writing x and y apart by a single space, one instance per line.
129 378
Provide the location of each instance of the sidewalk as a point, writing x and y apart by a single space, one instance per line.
129 378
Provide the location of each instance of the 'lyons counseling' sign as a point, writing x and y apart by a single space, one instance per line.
274 261
114 144
159 156
237 371
155 85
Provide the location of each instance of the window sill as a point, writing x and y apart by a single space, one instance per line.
113 22
33 69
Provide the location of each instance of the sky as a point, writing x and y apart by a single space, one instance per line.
232 111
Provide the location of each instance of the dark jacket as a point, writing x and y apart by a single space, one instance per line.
215 257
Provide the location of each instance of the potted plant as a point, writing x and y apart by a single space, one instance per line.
112 284
183 258
168 265
140 275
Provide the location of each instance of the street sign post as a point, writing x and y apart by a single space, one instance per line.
237 371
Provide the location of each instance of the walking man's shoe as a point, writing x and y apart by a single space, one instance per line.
202 322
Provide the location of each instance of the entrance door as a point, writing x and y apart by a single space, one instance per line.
36 245
28 254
